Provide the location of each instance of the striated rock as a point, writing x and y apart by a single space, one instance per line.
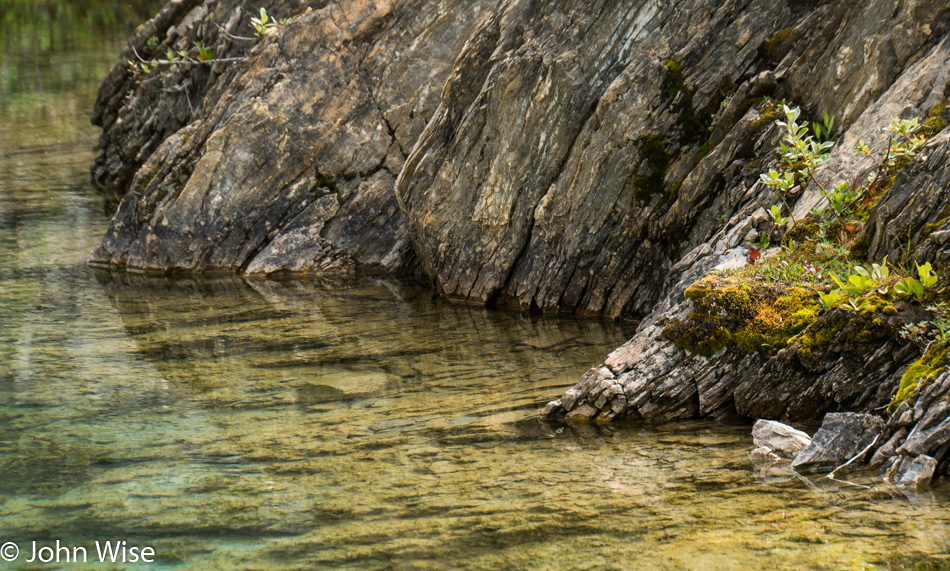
919 427
840 438
915 213
663 381
289 160
780 440
919 473
135 125
572 155
595 157
599 226
887 451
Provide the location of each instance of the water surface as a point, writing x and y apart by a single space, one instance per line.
340 423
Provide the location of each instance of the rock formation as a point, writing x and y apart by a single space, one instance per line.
284 159
595 157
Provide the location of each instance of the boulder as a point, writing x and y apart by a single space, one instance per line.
840 438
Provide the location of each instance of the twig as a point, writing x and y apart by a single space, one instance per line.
811 175
232 36
858 455
184 60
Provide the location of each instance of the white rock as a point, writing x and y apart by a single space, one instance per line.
780 439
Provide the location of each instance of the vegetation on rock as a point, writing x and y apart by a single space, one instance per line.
814 290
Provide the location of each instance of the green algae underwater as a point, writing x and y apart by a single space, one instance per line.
340 422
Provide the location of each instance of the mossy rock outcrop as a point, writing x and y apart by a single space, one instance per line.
740 347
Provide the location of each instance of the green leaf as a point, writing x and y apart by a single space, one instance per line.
830 299
927 275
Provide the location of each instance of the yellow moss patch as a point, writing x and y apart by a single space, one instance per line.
770 45
919 373
748 315
936 119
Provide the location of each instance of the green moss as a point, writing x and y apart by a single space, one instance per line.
762 122
149 178
760 98
701 336
680 96
674 192
776 322
806 230
864 209
873 305
749 316
767 49
919 373
933 227
652 149
936 119
871 329
656 157
713 295
819 336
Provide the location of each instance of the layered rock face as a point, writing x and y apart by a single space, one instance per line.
565 155
651 377
289 155
591 193
595 157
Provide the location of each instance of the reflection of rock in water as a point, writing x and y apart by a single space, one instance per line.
310 394
231 342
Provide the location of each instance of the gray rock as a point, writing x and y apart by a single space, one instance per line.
543 153
888 449
795 384
283 160
779 439
661 381
919 473
552 409
841 437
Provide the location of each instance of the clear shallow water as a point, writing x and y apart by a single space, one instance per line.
332 423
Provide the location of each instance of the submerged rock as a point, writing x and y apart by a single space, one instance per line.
774 439
841 437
